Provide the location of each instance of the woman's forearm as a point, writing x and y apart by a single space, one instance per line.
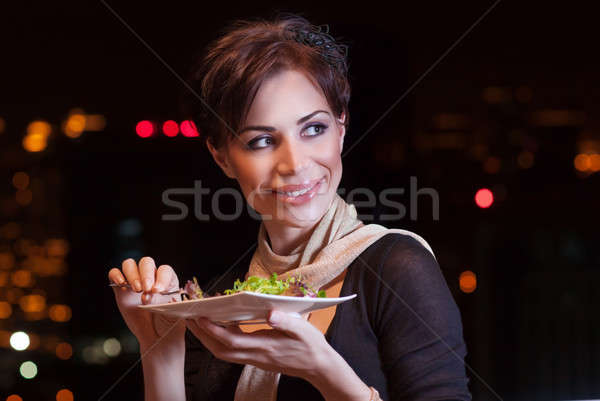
337 381
163 372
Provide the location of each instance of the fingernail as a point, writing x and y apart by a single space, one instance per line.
137 286
147 284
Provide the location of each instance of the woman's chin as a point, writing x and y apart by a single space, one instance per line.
302 215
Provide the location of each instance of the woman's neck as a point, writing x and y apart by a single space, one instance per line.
284 239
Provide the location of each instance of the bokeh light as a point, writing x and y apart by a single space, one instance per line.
5 310
111 347
22 278
57 247
35 143
582 162
170 128
188 129
144 129
75 124
28 370
20 180
64 351
60 313
19 340
594 161
14 397
32 303
95 122
24 197
36 139
467 281
64 395
484 198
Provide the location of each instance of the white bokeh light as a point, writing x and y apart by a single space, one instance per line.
19 340
28 370
111 347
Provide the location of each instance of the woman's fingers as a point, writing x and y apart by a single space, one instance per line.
147 272
132 274
215 345
291 325
115 276
165 279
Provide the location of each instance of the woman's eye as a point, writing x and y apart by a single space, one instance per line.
253 144
317 129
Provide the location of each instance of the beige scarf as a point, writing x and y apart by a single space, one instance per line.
337 240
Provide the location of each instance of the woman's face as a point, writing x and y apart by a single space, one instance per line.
290 137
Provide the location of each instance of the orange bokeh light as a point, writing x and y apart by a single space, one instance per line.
22 278
24 197
5 310
20 180
64 395
582 162
13 397
60 313
594 162
64 351
467 281
33 303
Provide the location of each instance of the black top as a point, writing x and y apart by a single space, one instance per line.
402 333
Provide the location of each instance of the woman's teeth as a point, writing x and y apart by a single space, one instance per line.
295 193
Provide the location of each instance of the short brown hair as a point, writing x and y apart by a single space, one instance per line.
229 73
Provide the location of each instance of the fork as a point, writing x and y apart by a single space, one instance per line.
126 285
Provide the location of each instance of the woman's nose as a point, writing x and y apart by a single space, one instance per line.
292 158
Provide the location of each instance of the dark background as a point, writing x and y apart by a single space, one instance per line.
531 325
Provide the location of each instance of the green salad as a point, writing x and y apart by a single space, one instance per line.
292 286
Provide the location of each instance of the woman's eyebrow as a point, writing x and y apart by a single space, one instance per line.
271 129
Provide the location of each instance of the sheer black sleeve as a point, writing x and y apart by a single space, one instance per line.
419 327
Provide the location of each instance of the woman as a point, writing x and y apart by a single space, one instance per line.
276 99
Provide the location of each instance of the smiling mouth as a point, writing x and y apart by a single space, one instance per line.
299 192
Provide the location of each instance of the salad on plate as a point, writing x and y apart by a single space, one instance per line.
292 286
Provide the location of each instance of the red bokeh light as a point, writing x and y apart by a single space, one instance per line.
144 129
484 198
188 129
170 128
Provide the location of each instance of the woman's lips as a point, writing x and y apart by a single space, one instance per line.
298 187
300 197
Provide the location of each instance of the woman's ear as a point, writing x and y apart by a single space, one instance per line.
341 120
221 158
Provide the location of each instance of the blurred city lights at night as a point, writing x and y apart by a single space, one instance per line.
144 129
111 347
28 370
484 198
64 395
467 281
64 351
170 128
19 340
188 129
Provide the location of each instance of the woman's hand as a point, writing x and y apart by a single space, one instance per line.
162 342
147 282
295 347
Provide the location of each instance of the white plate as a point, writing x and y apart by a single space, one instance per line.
242 306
